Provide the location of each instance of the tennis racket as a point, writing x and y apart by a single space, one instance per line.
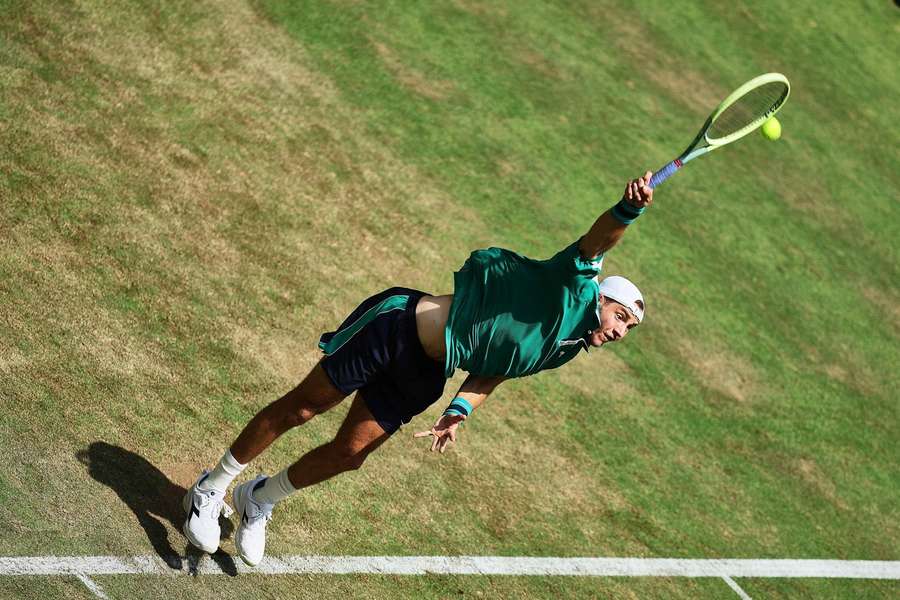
743 111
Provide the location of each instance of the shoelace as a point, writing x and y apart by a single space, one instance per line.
218 504
265 515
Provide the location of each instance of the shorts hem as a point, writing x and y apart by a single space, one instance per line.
390 424
324 362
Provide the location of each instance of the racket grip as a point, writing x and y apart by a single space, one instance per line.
664 173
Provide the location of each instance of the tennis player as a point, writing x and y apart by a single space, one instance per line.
509 316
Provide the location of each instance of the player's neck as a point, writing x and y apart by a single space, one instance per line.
431 319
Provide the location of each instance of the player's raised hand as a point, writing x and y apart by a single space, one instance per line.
638 192
443 432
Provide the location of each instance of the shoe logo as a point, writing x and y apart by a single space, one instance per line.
193 512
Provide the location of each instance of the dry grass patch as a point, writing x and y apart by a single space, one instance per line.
887 303
541 64
601 372
813 475
720 370
284 357
196 198
683 84
409 77
197 185
481 9
848 370
11 358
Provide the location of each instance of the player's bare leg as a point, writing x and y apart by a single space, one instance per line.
359 435
205 500
315 395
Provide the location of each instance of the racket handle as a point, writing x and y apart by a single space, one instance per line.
664 173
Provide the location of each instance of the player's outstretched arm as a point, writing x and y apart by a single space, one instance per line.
474 390
609 227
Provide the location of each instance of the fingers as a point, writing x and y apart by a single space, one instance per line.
441 443
638 191
645 186
639 196
447 441
646 193
632 194
441 440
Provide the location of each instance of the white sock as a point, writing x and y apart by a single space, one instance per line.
224 473
274 489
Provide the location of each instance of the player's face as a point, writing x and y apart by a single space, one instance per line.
615 323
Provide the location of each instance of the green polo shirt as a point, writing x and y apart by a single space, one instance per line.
514 316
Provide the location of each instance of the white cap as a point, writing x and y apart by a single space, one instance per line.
625 293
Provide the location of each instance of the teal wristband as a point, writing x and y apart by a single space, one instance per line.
459 406
625 213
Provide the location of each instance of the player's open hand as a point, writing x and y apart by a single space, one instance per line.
443 432
638 192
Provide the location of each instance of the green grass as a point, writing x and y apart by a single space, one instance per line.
192 193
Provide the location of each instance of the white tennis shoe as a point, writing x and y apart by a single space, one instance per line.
250 537
203 508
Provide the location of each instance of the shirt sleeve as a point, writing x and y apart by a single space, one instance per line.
569 261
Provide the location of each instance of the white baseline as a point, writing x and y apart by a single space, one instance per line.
462 565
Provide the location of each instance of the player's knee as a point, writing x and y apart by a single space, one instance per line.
298 411
356 461
299 415
350 457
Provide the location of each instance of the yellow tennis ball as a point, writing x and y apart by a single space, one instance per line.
771 129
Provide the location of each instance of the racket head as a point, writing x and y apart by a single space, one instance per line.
746 109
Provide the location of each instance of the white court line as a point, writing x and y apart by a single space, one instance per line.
733 585
92 585
463 565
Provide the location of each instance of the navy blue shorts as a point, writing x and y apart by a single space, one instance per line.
377 351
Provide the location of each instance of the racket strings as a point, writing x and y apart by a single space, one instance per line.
748 110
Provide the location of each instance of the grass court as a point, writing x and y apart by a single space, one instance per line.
190 193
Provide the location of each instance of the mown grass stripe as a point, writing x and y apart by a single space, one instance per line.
464 565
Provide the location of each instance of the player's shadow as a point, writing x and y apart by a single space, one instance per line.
153 498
